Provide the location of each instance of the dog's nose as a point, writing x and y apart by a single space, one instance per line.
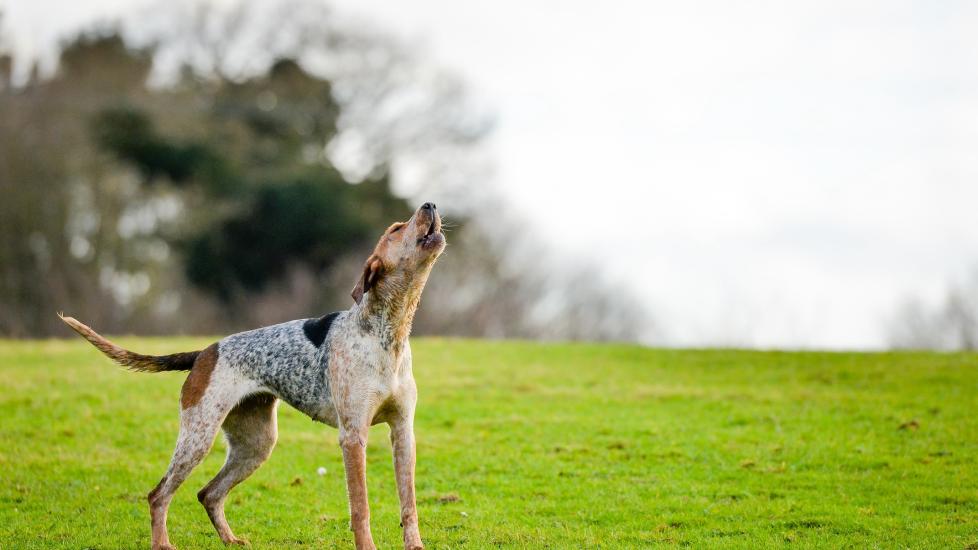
428 206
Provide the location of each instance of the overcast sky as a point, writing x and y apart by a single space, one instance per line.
760 173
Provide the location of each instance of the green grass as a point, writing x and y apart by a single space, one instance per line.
524 445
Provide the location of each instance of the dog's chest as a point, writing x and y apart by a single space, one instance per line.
364 375
360 361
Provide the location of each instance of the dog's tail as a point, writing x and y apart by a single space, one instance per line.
130 360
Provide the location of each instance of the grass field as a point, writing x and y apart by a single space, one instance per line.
525 445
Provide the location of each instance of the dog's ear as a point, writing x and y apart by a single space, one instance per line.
372 270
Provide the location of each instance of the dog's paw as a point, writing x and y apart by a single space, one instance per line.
164 547
238 541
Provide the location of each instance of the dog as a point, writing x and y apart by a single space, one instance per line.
349 369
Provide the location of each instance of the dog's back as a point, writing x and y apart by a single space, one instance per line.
283 360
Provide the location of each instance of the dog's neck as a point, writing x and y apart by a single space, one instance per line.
388 309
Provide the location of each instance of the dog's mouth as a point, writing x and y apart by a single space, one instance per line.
432 234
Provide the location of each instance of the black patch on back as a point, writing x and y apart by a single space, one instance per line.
317 329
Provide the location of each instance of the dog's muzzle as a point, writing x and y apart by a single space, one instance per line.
432 236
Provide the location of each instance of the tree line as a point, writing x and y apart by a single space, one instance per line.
244 186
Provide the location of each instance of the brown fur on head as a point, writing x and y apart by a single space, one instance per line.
396 271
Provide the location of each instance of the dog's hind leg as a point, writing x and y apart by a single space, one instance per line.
198 426
199 423
251 432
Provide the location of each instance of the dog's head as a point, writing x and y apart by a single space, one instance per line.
404 255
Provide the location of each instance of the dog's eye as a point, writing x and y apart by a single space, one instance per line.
396 229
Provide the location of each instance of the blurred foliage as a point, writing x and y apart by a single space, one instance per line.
235 168
313 220
951 324
129 133
231 175
104 61
261 156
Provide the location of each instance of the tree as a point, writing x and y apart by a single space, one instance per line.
951 325
245 185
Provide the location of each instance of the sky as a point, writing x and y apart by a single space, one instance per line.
770 174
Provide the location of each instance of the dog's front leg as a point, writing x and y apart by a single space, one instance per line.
402 445
354 445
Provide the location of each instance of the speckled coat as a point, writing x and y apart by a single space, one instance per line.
348 369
